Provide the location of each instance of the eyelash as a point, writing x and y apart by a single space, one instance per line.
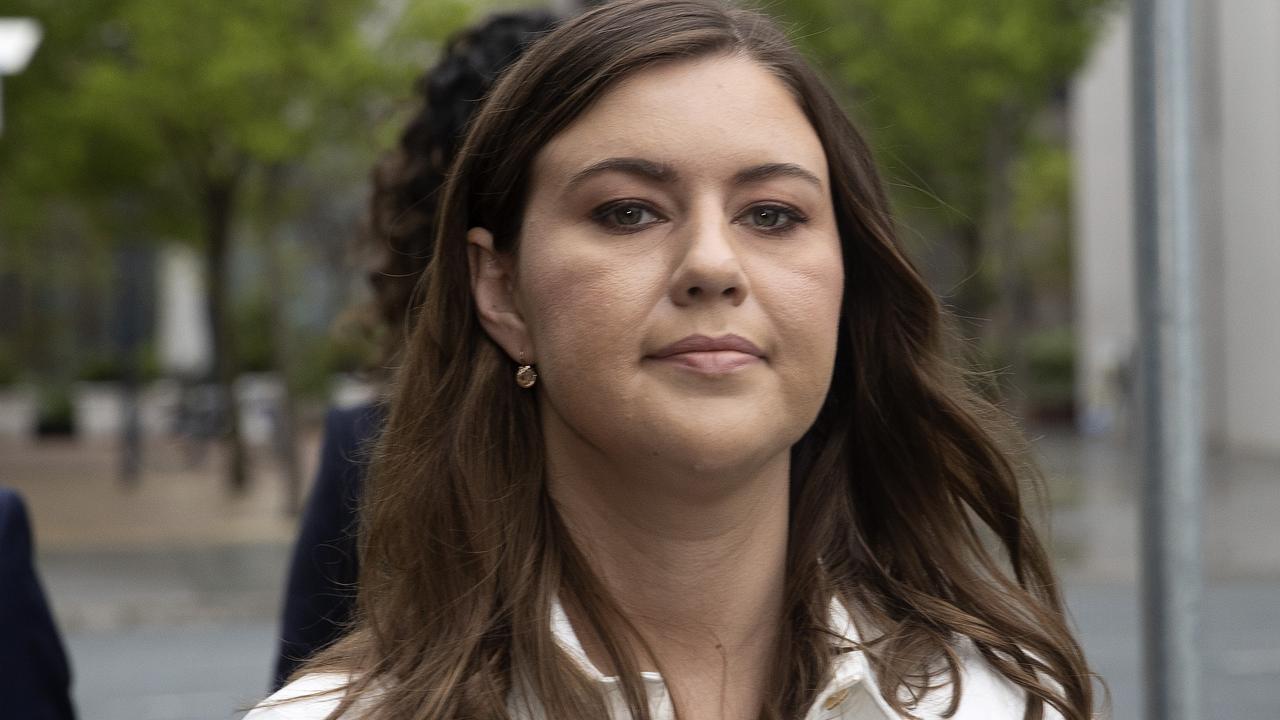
601 216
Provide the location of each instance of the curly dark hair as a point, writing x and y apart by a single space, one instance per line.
398 230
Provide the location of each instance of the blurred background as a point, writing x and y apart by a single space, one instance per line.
181 298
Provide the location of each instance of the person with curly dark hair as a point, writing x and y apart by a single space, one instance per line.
402 210
320 591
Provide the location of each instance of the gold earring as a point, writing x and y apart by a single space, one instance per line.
526 376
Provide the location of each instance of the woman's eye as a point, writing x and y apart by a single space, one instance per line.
627 216
773 218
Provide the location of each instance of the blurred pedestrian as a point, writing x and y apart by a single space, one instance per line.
675 433
35 680
320 589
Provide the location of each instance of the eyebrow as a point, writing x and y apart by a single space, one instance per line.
664 173
768 171
645 169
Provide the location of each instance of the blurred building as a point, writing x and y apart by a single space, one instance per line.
1238 59
184 343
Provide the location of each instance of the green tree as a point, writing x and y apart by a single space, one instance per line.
155 117
950 94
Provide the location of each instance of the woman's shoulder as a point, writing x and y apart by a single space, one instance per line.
310 697
985 692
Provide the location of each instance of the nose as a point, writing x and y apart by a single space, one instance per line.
709 271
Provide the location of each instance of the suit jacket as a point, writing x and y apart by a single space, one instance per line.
35 680
320 591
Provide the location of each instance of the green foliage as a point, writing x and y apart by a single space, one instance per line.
311 374
103 369
963 103
1051 361
56 415
254 335
1042 215
135 114
932 79
314 357
10 371
1042 178
111 366
322 357
132 107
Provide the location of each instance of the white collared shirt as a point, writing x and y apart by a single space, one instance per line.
852 693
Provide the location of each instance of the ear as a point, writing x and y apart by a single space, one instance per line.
493 288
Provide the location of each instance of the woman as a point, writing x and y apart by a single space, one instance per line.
674 435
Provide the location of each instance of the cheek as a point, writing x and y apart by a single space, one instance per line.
803 304
802 290
584 307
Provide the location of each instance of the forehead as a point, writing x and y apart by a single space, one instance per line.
706 116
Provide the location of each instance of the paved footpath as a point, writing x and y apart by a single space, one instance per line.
1096 535
168 593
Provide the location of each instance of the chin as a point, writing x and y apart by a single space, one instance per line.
666 431
721 449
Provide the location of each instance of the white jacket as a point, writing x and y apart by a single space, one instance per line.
852 693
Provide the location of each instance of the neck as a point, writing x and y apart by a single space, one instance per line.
696 561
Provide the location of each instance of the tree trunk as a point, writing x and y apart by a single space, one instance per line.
1011 313
286 440
128 338
219 196
971 300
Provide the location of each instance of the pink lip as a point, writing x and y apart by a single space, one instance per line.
711 355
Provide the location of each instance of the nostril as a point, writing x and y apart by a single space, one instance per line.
730 291
695 291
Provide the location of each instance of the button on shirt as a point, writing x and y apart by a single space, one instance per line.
852 693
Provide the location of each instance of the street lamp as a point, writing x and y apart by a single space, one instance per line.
19 38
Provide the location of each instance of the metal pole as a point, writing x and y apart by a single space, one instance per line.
1166 220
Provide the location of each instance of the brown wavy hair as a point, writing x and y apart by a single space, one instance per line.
904 503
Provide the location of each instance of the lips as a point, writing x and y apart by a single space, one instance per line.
711 355
702 343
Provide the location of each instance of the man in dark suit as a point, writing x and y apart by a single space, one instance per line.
35 681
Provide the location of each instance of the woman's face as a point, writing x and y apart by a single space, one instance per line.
678 276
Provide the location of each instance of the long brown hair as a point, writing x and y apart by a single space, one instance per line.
904 504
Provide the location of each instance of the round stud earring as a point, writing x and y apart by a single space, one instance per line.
526 376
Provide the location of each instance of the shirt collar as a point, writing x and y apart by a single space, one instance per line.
850 695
